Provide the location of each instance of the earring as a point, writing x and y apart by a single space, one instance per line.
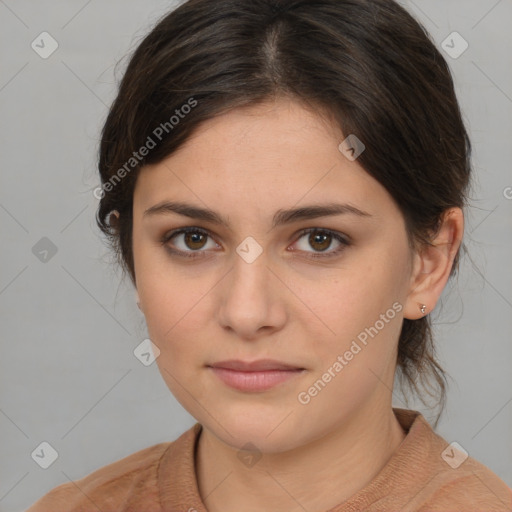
423 308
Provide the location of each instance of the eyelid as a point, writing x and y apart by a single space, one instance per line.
336 234
343 239
184 230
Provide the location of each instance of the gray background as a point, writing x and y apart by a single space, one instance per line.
68 372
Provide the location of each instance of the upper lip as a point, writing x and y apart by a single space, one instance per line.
254 366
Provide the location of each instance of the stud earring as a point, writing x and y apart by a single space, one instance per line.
423 308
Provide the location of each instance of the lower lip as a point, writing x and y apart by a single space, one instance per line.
254 381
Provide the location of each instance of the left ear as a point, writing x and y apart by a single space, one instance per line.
432 265
137 299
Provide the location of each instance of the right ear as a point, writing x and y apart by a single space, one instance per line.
113 219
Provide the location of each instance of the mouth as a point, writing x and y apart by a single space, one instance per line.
255 376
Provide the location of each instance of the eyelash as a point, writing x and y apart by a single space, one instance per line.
192 254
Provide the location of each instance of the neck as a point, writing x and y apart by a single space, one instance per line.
315 477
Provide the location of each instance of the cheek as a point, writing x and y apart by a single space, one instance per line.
176 309
172 321
166 295
352 300
362 309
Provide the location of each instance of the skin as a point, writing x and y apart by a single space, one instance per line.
246 165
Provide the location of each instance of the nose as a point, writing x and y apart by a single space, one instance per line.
251 303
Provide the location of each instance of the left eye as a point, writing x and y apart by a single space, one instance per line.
195 239
321 240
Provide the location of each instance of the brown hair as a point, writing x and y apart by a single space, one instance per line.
367 63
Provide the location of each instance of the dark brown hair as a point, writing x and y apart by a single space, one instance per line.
366 63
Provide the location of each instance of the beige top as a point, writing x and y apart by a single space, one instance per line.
425 474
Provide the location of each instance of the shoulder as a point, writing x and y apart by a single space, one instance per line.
110 487
441 476
470 487
461 482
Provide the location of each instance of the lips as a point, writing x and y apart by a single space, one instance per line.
255 376
254 366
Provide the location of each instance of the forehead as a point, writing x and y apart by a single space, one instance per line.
282 130
261 158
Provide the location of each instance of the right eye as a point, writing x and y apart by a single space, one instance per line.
190 240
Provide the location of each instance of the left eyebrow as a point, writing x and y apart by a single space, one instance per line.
281 217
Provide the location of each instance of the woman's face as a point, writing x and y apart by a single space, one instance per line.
248 290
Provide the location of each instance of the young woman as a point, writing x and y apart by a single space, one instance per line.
284 182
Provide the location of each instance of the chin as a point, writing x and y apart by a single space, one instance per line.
264 429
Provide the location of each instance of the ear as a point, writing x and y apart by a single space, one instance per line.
432 265
137 299
113 220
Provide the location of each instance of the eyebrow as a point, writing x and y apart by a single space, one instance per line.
281 216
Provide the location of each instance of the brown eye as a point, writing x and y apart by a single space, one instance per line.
320 240
192 242
195 240
188 242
